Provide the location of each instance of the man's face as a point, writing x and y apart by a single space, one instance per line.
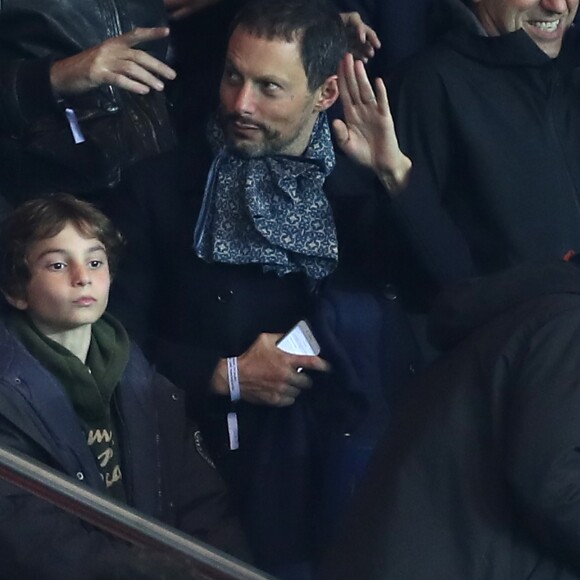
266 106
545 21
69 284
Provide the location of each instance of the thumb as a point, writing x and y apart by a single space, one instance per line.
340 132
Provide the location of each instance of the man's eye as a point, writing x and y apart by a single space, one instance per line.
233 77
270 88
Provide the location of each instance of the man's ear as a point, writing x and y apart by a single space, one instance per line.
18 303
327 94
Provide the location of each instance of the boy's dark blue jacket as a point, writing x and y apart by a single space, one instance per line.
165 471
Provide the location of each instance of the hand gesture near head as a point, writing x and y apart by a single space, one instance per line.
363 41
115 62
367 134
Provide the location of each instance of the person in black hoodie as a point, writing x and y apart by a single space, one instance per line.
481 477
489 118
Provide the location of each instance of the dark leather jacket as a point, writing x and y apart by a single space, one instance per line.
36 145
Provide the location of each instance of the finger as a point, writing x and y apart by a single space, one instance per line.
126 83
350 80
135 78
367 95
299 381
181 13
314 363
373 38
139 35
340 131
290 391
382 96
151 64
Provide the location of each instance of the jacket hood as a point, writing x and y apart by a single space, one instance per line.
463 308
454 23
446 15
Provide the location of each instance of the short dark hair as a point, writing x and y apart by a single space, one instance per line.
43 218
315 24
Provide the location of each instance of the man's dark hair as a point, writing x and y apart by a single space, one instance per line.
43 218
315 24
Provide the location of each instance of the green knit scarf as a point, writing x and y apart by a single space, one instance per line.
90 386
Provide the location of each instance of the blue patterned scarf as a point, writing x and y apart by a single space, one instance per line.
270 210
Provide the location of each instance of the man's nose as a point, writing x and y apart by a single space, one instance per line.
245 102
555 6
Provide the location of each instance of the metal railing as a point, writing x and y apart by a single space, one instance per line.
205 562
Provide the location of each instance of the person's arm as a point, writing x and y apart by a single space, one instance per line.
367 133
542 460
114 62
369 136
31 88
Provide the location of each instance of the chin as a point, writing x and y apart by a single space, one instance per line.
246 150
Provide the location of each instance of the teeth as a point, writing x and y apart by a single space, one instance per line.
547 26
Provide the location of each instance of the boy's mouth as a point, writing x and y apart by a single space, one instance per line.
85 301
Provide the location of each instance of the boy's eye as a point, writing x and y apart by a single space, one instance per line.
94 264
57 266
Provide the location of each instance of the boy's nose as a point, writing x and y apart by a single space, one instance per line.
81 277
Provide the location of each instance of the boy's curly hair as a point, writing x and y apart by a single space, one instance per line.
43 218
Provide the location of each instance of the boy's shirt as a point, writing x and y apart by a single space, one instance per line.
90 387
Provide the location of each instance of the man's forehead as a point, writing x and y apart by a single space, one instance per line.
264 56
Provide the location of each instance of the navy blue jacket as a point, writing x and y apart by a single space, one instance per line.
165 476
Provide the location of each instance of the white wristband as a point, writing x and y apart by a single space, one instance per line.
233 378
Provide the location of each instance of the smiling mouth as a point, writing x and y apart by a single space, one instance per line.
545 25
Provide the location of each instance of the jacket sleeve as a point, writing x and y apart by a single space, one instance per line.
424 128
197 494
25 92
543 450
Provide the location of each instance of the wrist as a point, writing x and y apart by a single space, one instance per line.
219 380
396 179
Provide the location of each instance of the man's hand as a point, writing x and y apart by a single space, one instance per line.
367 133
178 9
362 39
268 375
113 62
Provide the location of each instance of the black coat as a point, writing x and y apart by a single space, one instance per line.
492 125
481 478
189 314
165 474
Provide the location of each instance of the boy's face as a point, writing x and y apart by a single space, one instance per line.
69 285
